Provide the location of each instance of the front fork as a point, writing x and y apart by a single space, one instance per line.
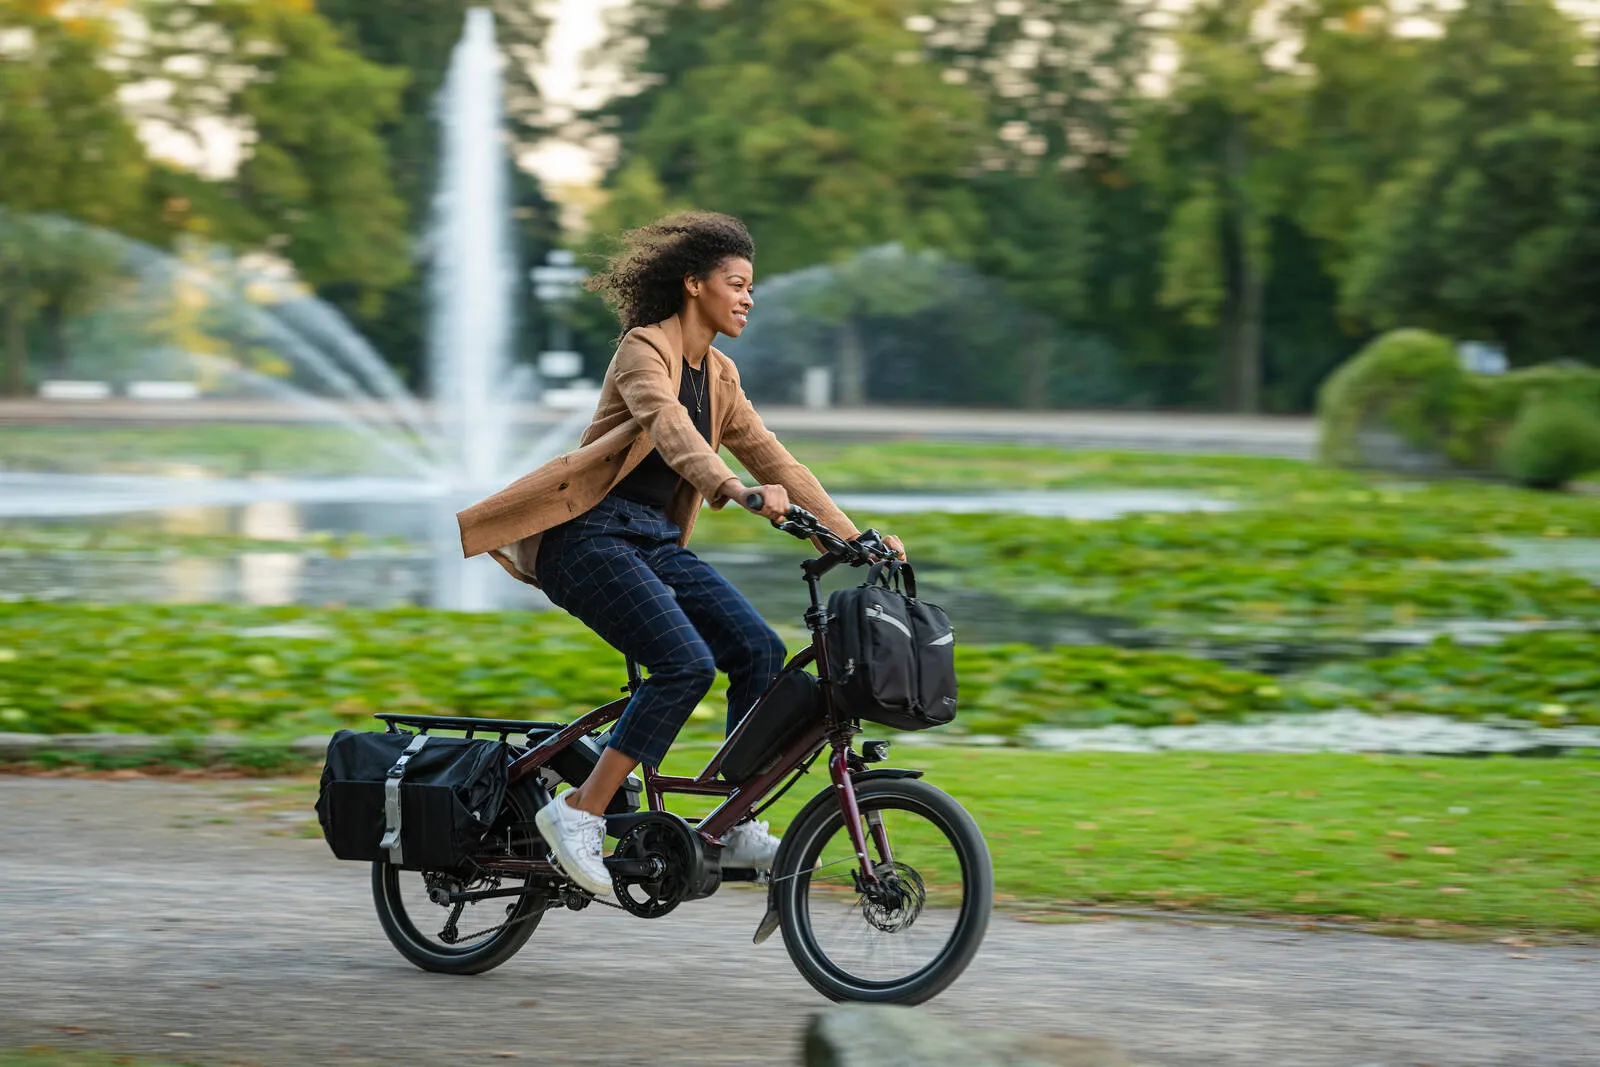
844 789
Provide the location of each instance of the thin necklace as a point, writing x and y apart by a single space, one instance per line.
695 389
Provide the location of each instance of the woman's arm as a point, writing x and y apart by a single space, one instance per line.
748 438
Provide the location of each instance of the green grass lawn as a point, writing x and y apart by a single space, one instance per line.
1490 844
1465 847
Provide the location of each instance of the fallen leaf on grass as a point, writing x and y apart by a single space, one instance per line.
1453 889
1441 850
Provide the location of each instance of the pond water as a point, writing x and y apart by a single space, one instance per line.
406 575
412 576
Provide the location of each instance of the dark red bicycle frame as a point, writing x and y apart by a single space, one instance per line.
833 729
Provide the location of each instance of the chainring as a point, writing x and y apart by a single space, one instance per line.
670 841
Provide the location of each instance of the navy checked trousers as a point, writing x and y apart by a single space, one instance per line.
618 567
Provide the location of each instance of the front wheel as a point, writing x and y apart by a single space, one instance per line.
906 938
469 937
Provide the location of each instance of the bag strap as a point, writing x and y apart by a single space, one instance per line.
894 574
391 801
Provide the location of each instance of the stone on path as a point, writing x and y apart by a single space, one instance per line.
863 1035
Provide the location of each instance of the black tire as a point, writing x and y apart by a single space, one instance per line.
805 904
406 912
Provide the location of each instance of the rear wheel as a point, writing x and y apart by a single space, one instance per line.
468 937
907 937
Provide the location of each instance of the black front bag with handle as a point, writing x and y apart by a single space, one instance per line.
891 655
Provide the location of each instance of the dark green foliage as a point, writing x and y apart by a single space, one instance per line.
1312 553
1552 442
1406 381
1552 678
1469 236
1410 383
183 670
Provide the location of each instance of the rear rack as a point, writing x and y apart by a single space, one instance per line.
504 727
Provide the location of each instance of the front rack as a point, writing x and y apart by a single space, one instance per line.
504 727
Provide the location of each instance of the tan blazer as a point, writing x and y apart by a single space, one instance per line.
639 410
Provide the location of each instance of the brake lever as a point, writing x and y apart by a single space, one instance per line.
871 543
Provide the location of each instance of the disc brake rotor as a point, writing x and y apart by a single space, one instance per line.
895 902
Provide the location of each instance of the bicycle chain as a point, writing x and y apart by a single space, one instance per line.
460 937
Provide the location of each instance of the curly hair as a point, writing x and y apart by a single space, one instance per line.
643 281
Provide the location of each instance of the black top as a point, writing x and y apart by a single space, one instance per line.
652 481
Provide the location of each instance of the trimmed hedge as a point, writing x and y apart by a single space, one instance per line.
1552 442
1410 383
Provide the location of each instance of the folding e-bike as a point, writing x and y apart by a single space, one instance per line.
882 885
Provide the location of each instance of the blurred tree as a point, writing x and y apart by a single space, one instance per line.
314 184
1059 78
843 295
1039 244
1361 114
1468 237
819 123
419 36
1222 144
1572 269
655 44
66 148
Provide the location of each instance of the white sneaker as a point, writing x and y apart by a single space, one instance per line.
749 845
575 839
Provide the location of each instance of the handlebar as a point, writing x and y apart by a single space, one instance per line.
868 547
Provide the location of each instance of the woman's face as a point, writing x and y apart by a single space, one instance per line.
725 295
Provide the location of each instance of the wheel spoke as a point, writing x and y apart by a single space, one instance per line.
463 936
897 929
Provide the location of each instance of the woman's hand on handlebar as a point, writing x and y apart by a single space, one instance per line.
894 542
770 501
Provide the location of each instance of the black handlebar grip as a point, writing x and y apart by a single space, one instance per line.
754 501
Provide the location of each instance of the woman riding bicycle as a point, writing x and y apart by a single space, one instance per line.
602 529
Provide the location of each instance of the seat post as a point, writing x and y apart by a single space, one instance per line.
635 679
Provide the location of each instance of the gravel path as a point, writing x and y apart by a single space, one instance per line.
191 920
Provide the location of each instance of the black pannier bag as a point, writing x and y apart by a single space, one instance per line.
892 655
443 792
778 719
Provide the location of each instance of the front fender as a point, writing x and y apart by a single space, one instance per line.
769 921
